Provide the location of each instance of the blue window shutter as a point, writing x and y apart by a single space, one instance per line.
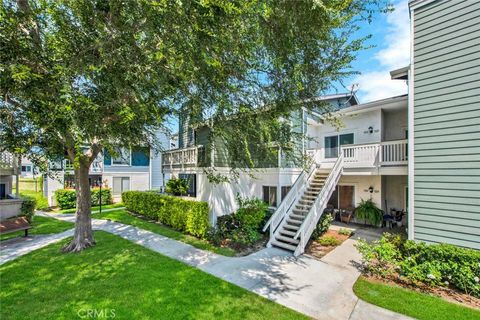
140 157
107 158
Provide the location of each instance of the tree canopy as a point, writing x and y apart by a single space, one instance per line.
78 76
103 72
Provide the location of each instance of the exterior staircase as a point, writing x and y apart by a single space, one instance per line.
285 237
296 217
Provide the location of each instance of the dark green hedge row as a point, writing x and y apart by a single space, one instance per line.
67 199
183 215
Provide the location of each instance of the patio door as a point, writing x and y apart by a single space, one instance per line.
334 143
343 197
3 190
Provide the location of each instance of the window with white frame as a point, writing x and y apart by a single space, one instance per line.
27 168
270 195
122 157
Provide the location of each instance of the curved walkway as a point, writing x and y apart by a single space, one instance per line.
321 289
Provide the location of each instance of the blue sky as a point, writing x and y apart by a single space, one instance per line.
391 38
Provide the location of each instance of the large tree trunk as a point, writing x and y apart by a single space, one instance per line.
83 236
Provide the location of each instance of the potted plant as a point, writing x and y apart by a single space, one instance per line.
368 211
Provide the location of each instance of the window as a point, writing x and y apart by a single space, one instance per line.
120 184
27 168
140 157
270 195
192 183
343 197
285 190
333 143
122 158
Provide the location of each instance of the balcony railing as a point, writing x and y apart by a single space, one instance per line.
180 157
6 160
95 167
387 153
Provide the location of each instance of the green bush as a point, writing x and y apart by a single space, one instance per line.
322 226
433 264
329 241
184 215
345 232
241 228
28 207
67 199
106 196
177 187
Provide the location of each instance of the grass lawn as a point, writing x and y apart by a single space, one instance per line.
124 217
41 225
414 304
94 208
121 277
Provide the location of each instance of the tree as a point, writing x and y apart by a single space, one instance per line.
80 76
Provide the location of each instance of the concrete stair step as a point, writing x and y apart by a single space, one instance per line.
286 239
297 216
291 227
300 212
283 245
287 233
293 221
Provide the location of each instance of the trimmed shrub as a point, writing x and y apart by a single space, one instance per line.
329 241
28 207
67 199
183 215
241 228
106 196
432 264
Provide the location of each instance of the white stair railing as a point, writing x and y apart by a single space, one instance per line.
318 206
285 206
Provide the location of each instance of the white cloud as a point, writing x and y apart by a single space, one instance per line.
376 84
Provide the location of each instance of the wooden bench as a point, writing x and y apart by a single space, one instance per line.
18 224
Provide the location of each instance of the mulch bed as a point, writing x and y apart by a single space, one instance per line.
317 250
445 293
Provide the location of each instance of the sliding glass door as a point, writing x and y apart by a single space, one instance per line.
333 144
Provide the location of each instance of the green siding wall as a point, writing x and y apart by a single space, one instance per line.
447 122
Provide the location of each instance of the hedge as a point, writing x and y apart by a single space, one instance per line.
67 199
183 215
28 207
433 264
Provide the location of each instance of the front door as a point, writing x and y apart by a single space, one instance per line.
3 190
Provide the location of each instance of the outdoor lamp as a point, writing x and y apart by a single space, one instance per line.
370 129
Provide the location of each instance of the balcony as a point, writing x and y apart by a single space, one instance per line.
181 158
95 167
8 165
385 154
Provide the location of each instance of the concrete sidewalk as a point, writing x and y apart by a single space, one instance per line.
321 289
